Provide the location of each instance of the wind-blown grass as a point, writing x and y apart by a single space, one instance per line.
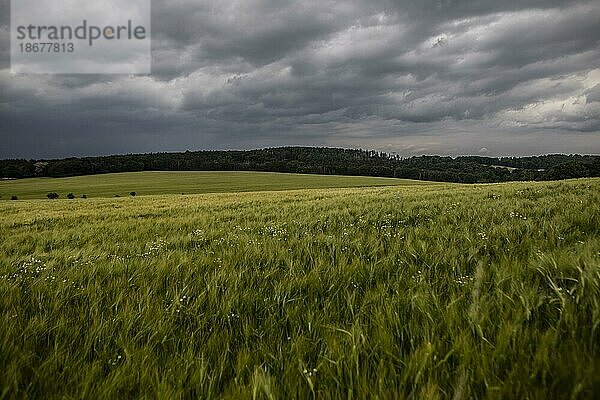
487 291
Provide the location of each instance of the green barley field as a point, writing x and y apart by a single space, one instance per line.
427 291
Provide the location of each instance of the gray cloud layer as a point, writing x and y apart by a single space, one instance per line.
413 77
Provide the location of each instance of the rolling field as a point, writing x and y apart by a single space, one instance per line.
152 183
425 291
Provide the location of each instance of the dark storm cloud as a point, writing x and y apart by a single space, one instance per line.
412 77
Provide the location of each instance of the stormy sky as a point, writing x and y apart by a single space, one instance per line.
412 77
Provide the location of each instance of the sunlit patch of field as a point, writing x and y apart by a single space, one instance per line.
167 182
433 291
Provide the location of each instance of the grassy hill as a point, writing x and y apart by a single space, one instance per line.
321 160
153 183
424 291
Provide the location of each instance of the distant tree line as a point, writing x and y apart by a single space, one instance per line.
327 161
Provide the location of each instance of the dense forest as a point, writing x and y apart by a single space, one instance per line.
313 160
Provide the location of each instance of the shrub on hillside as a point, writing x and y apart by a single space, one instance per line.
70 196
52 195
